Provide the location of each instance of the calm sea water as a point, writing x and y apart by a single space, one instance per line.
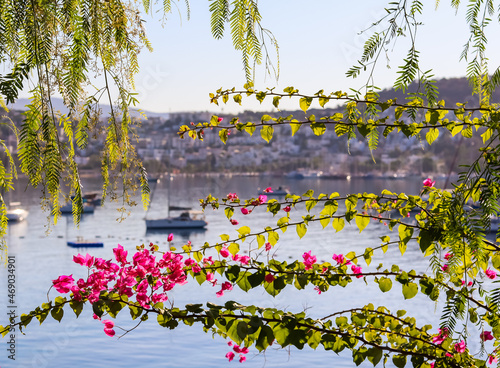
41 255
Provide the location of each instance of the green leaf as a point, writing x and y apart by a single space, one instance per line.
134 311
242 329
301 230
266 132
232 273
276 101
228 211
5 330
57 314
295 126
243 282
338 224
223 134
410 289
362 222
305 102
250 128
324 221
233 248
265 339
399 360
318 128
385 284
243 231
374 355
76 306
261 240
432 135
350 203
273 237
310 204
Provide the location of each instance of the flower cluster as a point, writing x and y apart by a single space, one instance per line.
490 274
238 350
442 335
309 260
144 277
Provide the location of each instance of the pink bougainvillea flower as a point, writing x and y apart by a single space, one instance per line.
108 327
227 286
234 222
108 323
244 259
220 119
236 348
224 252
486 335
230 343
268 246
309 260
242 358
442 335
230 356
492 359
432 365
170 237
429 183
491 274
357 269
232 197
95 316
287 209
262 198
468 284
63 283
120 255
460 347
448 256
109 331
245 211
269 278
444 268
88 260
317 290
339 258
219 293
268 190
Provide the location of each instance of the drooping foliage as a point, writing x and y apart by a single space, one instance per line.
448 227
87 52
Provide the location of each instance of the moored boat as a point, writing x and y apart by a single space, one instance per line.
186 220
16 213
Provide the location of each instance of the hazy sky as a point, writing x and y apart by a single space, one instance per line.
319 40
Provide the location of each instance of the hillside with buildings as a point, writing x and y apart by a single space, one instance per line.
161 149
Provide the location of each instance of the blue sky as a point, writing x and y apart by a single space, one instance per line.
319 40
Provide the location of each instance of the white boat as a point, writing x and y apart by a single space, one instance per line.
16 213
186 220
